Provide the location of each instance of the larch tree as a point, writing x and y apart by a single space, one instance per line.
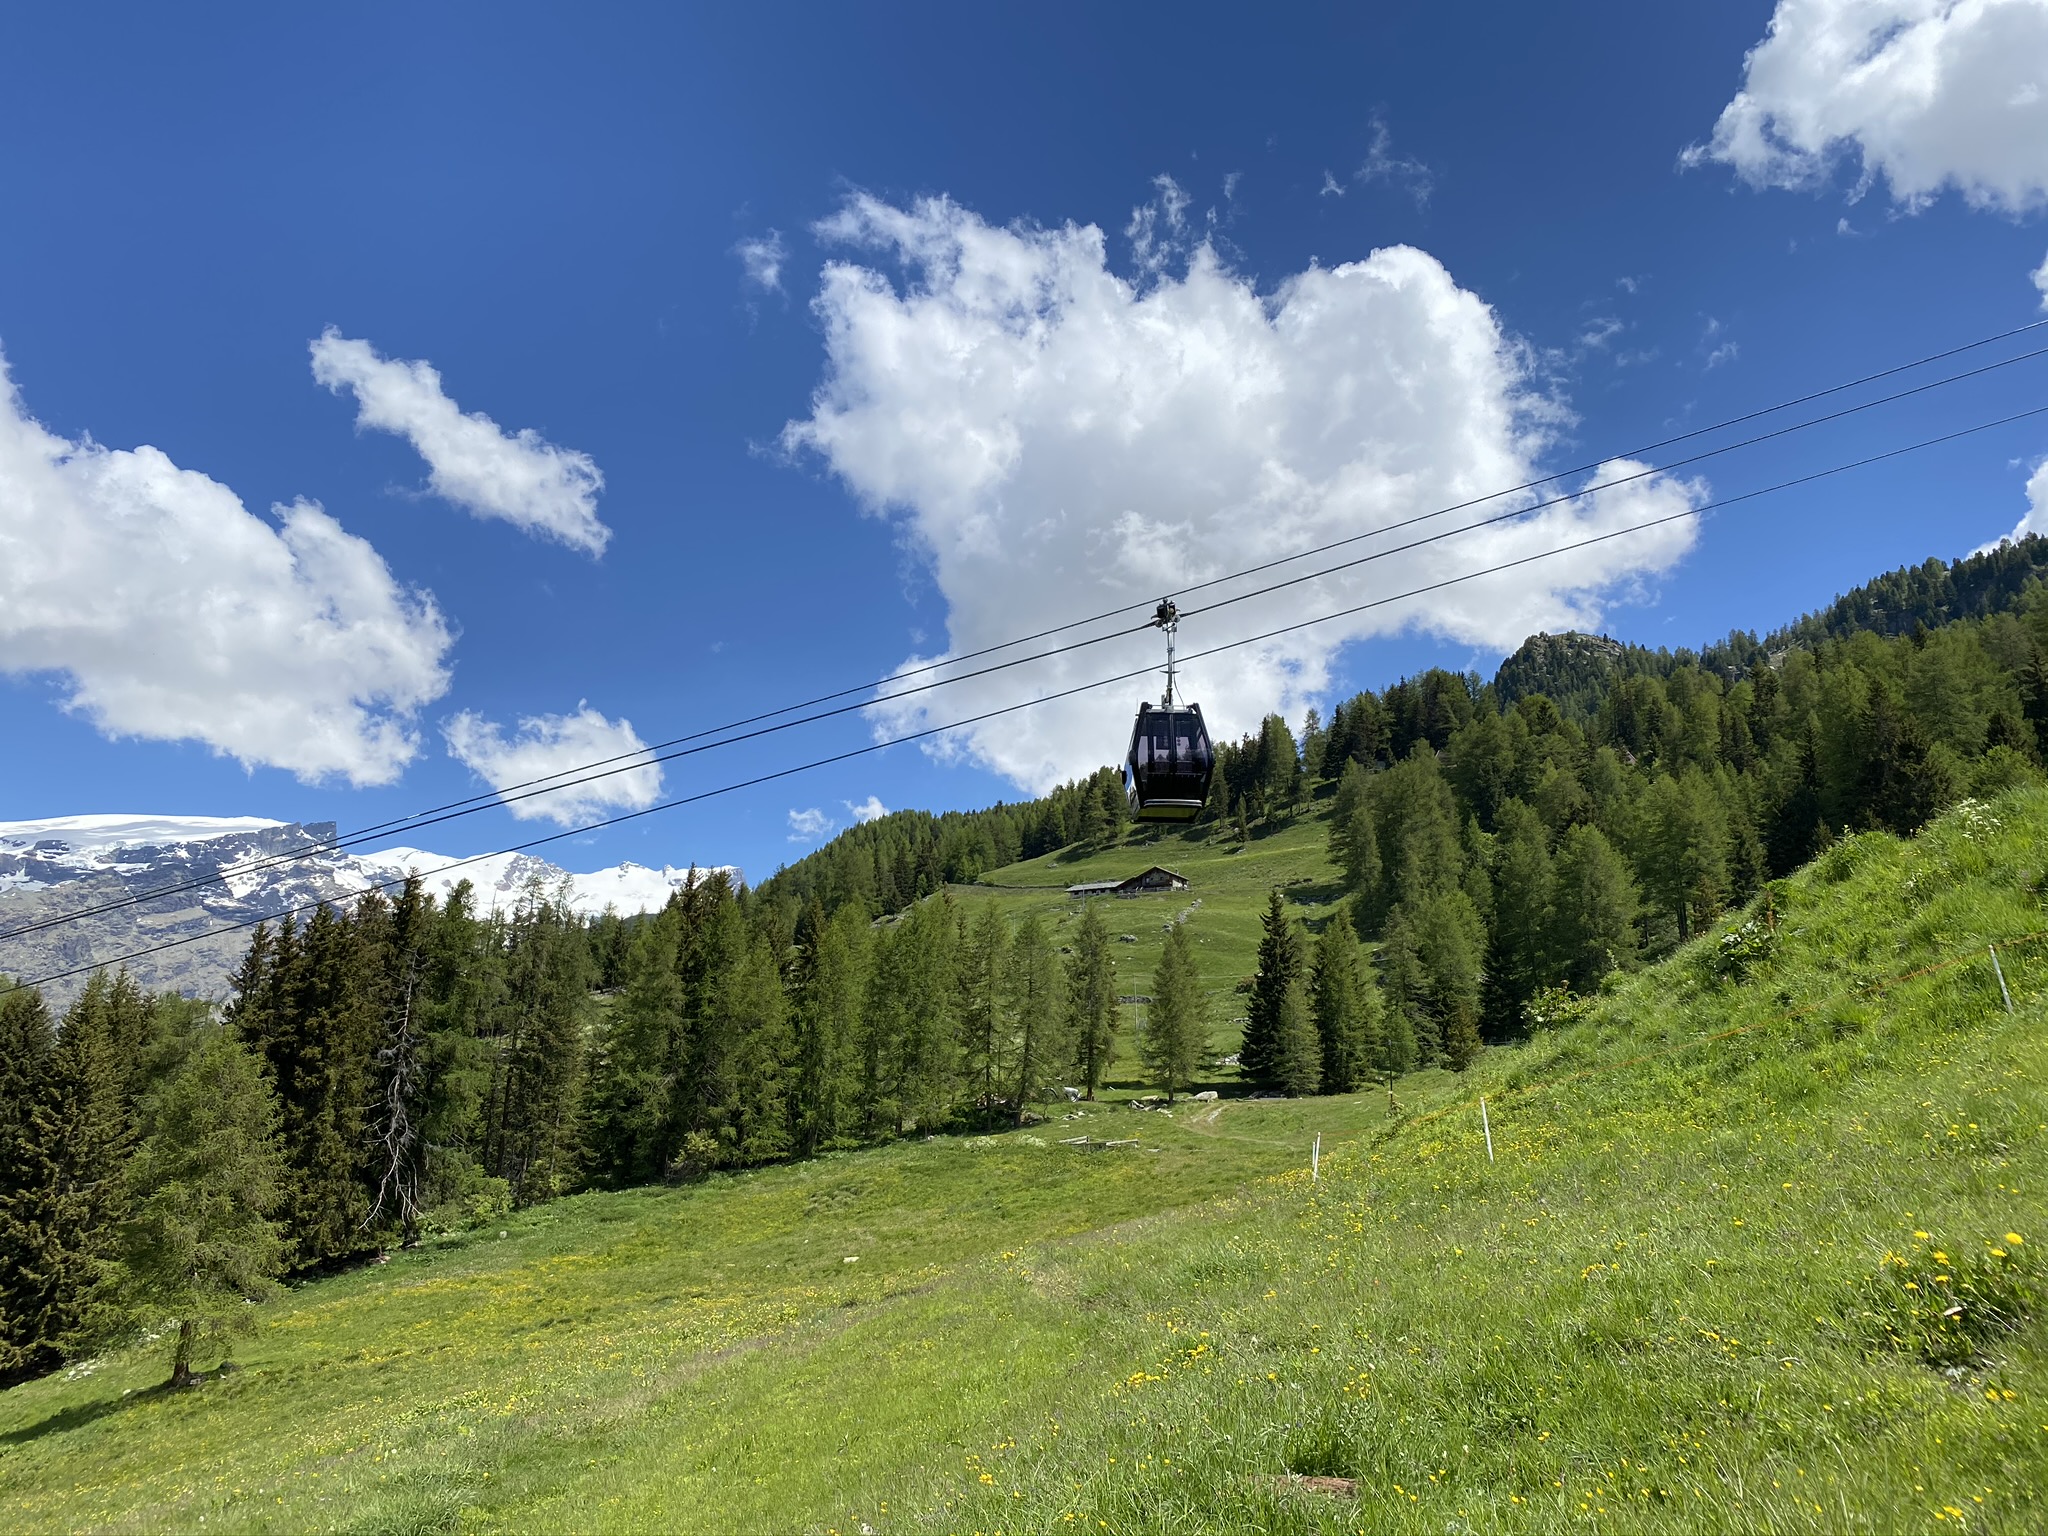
401 1078
1594 908
924 1077
1091 999
1035 998
1177 1021
1520 944
1682 853
984 1036
199 1246
1354 841
831 975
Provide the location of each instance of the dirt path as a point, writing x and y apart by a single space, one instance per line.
1204 1124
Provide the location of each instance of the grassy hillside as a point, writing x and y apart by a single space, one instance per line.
1228 888
1757 1251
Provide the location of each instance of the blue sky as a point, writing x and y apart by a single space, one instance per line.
736 493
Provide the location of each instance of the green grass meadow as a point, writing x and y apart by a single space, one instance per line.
1757 1250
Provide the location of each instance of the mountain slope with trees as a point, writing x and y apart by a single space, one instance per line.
1440 868
1753 1245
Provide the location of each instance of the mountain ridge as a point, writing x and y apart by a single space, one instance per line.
254 867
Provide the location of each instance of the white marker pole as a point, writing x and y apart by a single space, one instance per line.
1486 1126
1315 1160
1999 971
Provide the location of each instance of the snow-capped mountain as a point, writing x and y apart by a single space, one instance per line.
251 867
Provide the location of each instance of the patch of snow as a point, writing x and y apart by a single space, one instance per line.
92 838
33 854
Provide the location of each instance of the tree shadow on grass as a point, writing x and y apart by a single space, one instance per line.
82 1414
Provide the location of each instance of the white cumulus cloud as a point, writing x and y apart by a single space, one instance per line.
552 746
518 477
2036 520
2041 281
1057 440
174 613
870 809
1925 94
808 826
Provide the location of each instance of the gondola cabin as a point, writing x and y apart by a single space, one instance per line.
1166 775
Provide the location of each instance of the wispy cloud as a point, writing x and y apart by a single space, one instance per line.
558 746
809 826
761 258
517 477
1402 171
1599 333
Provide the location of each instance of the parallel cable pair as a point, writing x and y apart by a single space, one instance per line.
660 752
1008 709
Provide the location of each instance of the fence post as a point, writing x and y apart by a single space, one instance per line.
1999 971
1486 1126
1315 1159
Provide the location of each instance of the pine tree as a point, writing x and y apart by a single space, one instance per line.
200 1246
1796 829
1279 766
1037 1009
759 1013
29 1267
1260 1059
310 1014
1177 1022
1298 1065
1345 1014
636 1059
1902 786
126 1020
86 1140
1091 999
531 1108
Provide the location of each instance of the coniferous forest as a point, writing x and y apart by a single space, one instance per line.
1503 847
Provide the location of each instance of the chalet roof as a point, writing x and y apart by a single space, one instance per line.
1131 883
